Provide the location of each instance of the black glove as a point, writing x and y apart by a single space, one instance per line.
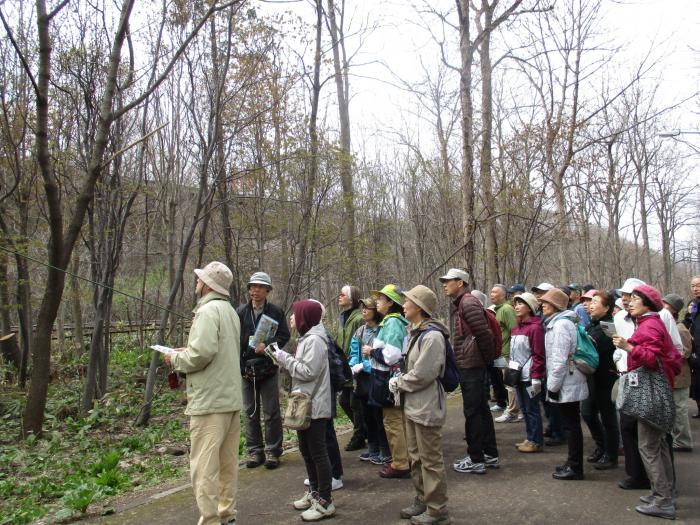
553 395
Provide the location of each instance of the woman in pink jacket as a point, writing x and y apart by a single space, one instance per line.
650 341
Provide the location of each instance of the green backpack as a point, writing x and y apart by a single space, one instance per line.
585 357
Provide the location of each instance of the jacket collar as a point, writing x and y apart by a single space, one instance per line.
211 296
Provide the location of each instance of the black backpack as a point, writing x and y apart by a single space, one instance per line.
338 366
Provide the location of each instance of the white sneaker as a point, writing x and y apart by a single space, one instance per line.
461 460
521 417
307 483
318 512
505 418
304 502
496 408
336 484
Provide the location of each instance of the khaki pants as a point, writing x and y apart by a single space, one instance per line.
214 465
396 436
513 405
681 426
656 456
427 465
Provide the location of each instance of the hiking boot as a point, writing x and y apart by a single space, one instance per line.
506 417
567 474
272 462
529 446
417 508
355 444
633 484
319 510
518 445
648 500
390 472
491 461
304 502
254 461
467 466
605 463
429 519
659 511
595 456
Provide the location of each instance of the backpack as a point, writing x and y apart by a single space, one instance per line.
585 357
495 327
450 375
338 367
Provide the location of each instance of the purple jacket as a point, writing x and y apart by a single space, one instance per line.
651 340
527 347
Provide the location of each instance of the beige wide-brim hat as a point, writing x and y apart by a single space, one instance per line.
216 276
423 297
556 298
530 300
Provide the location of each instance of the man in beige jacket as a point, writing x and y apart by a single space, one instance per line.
211 361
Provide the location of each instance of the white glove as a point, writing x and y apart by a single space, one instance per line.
537 386
394 385
356 369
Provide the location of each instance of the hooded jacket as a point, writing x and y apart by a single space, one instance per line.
560 340
652 340
527 348
211 359
422 394
473 341
309 370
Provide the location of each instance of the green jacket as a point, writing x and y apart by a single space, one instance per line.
507 318
212 358
345 333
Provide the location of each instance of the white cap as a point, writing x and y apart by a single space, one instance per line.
455 273
542 287
631 284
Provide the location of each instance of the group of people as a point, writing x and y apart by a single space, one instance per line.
518 351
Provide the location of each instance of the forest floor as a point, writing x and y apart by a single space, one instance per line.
88 464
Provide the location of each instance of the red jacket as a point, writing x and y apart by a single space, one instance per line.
473 340
651 340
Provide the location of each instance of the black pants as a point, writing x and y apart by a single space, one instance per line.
571 421
478 423
600 415
499 388
376 435
312 445
333 450
352 406
633 461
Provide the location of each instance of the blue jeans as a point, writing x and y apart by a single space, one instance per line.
531 410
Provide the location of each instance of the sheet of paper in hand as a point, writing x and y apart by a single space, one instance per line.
163 349
608 328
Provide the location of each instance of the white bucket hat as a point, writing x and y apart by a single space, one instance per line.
216 276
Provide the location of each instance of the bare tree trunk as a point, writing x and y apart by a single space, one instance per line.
467 113
10 349
346 161
78 338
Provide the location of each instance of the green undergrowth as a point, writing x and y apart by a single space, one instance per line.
83 461
82 464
